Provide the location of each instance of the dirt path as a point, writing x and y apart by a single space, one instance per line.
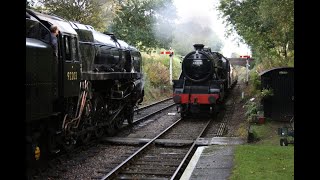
237 125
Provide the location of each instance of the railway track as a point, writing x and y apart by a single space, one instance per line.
142 114
152 109
163 157
149 151
153 104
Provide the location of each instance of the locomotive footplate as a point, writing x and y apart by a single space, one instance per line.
110 75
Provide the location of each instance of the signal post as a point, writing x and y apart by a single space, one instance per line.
170 52
171 56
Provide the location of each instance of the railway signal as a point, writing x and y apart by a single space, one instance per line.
170 52
165 52
245 56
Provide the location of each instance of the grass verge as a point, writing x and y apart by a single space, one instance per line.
264 159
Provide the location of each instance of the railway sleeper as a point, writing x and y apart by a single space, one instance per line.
141 177
155 172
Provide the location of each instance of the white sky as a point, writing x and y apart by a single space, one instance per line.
187 9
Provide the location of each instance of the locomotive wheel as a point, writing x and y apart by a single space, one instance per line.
215 112
130 113
110 129
130 118
69 144
98 115
85 138
183 115
118 122
183 112
99 131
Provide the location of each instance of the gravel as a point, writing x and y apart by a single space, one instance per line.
238 120
86 164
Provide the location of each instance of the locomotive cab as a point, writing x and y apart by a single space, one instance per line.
68 68
38 70
49 80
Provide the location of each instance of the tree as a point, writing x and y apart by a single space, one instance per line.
91 12
265 25
29 4
144 23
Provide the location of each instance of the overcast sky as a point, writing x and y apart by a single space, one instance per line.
206 9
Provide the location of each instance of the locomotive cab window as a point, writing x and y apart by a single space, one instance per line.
36 30
70 47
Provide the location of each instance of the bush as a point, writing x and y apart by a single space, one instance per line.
251 109
157 76
255 80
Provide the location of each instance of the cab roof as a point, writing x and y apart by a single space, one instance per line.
63 25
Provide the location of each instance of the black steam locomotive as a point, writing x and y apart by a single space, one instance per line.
204 82
89 90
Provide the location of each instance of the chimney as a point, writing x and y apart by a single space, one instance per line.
198 46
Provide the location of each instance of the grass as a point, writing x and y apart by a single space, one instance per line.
263 162
242 130
264 159
155 94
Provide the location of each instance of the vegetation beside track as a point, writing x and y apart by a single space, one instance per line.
264 158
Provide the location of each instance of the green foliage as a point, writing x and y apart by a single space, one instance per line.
265 159
146 24
89 12
267 26
254 162
251 109
156 70
29 4
241 72
255 80
157 73
266 93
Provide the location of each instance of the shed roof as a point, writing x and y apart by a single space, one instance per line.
273 69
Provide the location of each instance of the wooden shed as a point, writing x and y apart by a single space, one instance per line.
279 106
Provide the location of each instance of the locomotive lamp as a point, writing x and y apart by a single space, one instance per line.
37 153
